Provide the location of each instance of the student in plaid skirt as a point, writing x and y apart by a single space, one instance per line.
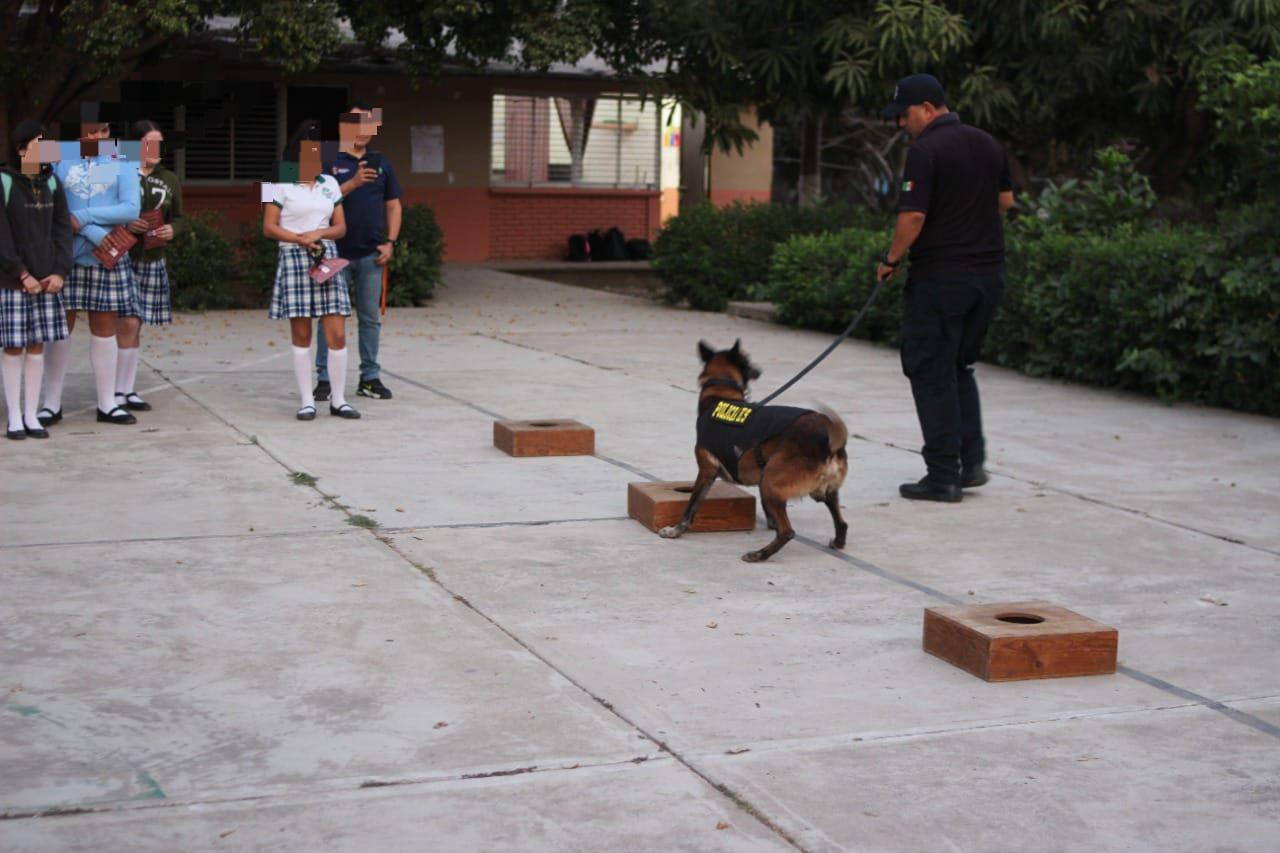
161 191
35 258
102 193
306 217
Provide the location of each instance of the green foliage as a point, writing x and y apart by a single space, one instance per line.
709 256
418 258
821 281
256 259
1243 95
1114 194
200 262
1182 312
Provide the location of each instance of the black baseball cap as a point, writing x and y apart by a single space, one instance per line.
916 89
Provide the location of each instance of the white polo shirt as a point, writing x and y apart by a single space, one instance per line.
307 208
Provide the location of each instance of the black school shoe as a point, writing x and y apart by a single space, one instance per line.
15 434
373 388
48 417
929 490
116 416
321 391
36 433
132 401
344 411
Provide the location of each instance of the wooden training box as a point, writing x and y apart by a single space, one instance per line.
548 437
1020 640
658 505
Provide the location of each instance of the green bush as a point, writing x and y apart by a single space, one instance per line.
201 263
708 256
418 259
1181 312
256 259
820 281
1114 194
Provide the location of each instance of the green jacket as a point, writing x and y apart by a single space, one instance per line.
161 189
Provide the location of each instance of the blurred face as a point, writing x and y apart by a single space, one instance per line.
308 160
30 157
95 130
151 149
359 127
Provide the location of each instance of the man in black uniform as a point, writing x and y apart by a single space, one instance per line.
955 191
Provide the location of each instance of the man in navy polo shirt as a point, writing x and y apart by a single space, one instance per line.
955 191
371 200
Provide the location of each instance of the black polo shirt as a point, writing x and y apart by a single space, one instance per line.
954 176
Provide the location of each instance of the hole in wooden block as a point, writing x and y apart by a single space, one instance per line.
659 505
1021 618
1019 640
544 424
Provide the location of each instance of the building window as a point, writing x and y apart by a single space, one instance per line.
604 141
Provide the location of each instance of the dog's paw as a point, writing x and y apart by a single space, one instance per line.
672 532
754 556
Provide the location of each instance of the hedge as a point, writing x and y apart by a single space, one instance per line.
203 265
1182 312
708 256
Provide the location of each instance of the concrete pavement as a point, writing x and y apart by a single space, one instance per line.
224 629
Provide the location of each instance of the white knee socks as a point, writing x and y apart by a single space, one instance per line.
126 370
11 369
102 355
32 373
58 357
337 377
302 372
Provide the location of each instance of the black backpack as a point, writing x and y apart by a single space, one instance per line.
617 244
579 248
638 250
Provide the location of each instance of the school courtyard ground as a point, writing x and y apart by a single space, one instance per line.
225 629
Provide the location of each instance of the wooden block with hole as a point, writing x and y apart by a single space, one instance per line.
658 505
547 437
1020 640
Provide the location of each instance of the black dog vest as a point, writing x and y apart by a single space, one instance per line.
729 428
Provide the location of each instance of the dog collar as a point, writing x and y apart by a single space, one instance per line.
725 383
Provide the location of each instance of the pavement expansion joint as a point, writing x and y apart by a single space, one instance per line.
142 540
324 786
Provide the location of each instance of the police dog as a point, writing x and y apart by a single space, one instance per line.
787 452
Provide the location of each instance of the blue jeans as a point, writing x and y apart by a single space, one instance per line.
366 276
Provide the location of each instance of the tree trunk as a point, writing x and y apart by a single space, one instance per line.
811 162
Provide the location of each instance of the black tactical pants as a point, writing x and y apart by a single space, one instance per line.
943 325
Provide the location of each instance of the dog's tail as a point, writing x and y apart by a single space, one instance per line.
837 432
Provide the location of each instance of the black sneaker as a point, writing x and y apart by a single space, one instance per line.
928 490
321 392
373 388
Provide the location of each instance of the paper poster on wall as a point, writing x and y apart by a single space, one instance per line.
427 146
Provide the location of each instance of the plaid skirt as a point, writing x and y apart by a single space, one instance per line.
151 293
296 293
95 288
27 319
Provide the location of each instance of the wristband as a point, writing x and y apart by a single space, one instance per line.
884 259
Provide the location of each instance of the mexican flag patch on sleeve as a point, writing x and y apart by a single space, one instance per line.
908 186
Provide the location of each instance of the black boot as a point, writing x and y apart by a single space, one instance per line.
931 490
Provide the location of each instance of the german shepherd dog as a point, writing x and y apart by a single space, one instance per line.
788 452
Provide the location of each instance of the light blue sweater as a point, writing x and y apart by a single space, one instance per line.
101 193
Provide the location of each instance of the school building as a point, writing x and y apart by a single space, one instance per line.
511 163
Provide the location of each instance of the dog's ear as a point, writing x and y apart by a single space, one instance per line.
705 351
737 347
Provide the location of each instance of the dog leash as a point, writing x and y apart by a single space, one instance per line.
826 352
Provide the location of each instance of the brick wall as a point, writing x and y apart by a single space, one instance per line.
535 223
